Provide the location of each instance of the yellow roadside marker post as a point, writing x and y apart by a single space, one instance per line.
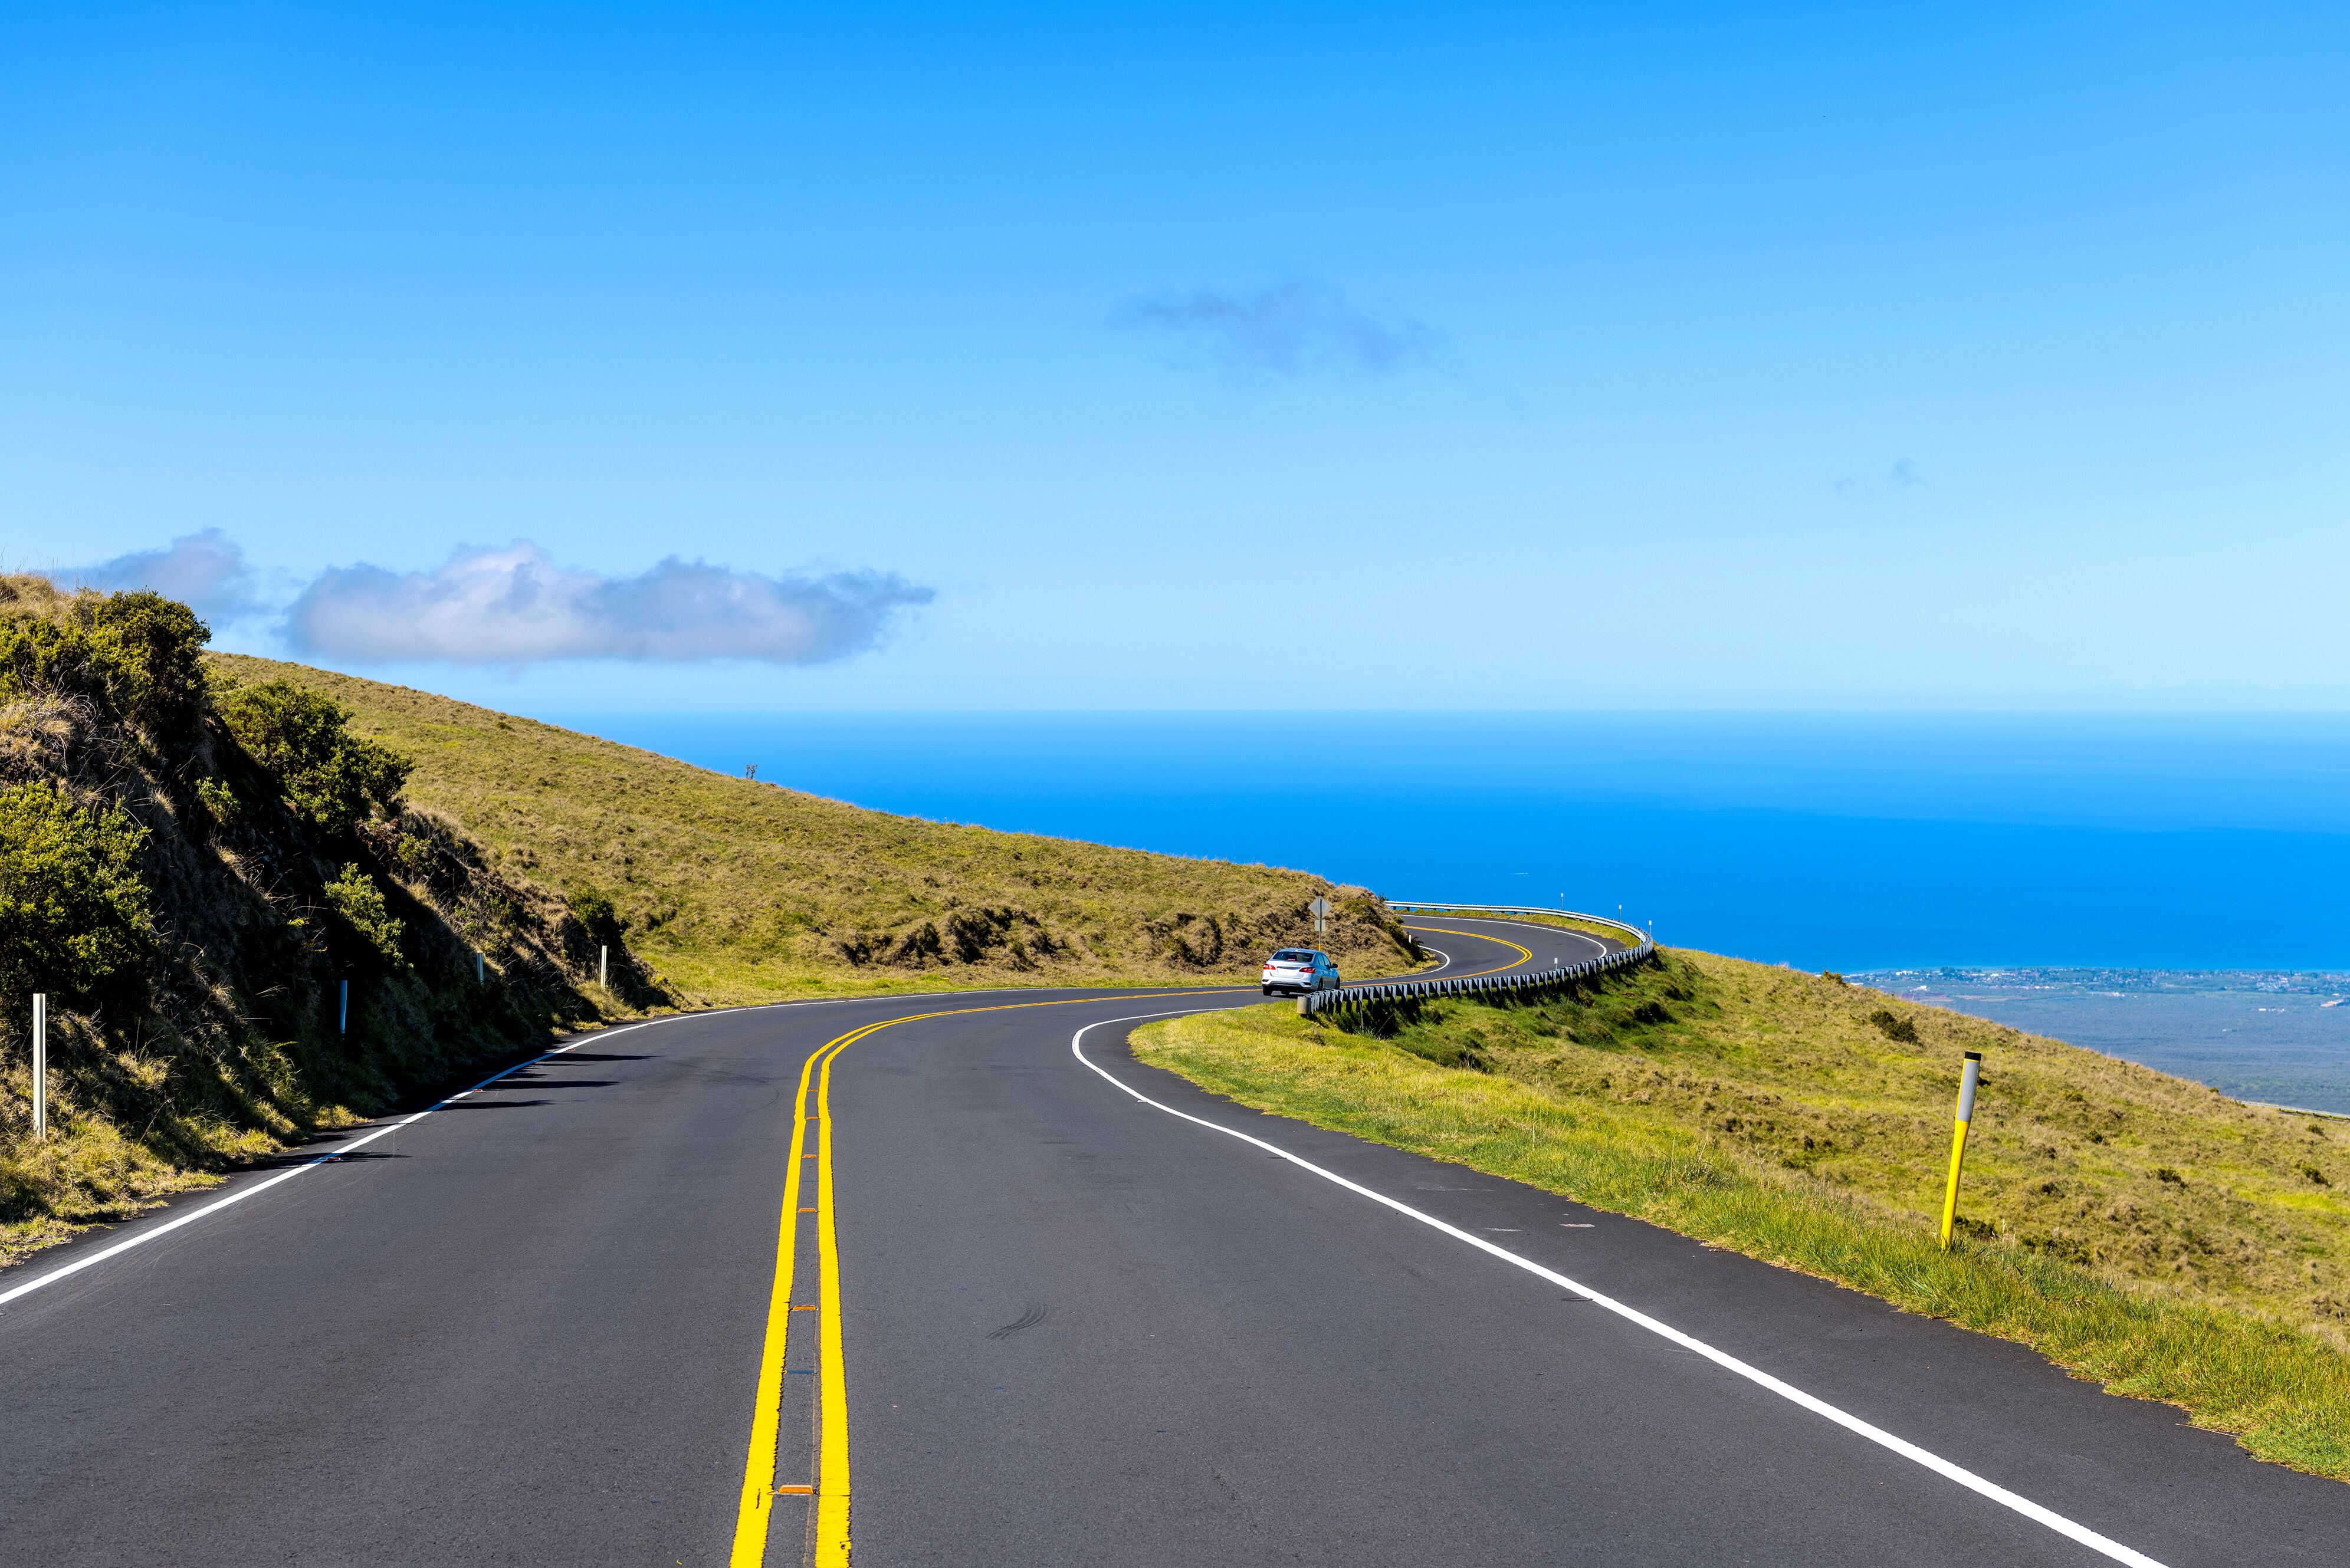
1967 1082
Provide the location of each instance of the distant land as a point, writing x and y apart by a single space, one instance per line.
2281 1037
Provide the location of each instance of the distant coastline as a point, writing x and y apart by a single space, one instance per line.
2274 1036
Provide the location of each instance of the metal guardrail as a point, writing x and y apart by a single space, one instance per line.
1507 982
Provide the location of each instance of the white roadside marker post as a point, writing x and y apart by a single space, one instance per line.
478 974
40 1064
604 967
342 1007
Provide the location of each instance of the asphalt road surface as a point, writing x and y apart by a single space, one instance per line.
1006 1313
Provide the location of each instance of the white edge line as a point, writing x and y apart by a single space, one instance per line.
149 1233
1877 1434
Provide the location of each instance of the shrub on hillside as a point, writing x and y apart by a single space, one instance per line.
355 897
152 650
73 911
592 909
327 775
140 655
1893 1026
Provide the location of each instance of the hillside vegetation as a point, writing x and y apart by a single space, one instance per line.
735 890
2140 1230
191 870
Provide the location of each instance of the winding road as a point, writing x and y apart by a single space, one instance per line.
957 1279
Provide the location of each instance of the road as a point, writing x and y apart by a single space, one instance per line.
1030 1318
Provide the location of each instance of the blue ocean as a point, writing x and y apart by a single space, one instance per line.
2143 843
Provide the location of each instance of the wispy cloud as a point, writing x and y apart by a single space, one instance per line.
206 571
1294 327
1903 475
515 606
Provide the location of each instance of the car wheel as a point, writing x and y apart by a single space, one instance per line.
1268 989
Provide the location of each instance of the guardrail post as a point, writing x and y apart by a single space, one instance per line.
40 1064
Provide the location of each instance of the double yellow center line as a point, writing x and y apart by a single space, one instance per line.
830 1483
759 1490
1525 954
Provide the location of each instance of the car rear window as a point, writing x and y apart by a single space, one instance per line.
1292 955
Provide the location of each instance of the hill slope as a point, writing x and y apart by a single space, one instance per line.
740 891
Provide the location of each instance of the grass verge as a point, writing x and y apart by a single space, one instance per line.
1687 1095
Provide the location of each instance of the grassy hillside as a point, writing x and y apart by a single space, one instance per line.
2139 1228
735 890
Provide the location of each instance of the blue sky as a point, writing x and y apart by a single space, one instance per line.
1028 358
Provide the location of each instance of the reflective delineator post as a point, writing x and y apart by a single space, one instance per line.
40 1064
342 1007
1967 1082
604 967
478 974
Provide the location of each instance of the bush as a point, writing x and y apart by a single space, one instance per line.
355 897
140 655
594 910
304 740
41 655
151 649
73 909
219 801
1893 1026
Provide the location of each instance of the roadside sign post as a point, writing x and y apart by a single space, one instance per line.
1967 1082
40 1064
604 967
1321 908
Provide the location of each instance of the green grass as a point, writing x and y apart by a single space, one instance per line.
1761 1109
741 891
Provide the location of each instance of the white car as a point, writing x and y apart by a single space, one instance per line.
1293 970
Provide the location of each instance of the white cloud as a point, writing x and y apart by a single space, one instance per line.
1290 328
515 606
207 572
